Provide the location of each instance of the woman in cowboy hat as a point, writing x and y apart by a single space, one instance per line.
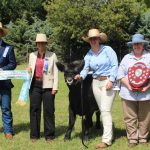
136 102
7 62
102 60
44 86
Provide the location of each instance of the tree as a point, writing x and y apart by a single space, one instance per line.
23 35
145 25
71 19
11 10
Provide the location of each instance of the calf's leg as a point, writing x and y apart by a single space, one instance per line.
98 125
72 118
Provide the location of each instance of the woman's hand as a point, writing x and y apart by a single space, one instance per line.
53 92
77 77
125 81
129 87
144 89
109 85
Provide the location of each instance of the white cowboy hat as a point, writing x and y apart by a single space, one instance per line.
40 37
4 29
95 33
138 38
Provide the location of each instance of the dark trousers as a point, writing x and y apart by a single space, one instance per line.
37 95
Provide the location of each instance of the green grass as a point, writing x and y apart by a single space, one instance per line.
21 139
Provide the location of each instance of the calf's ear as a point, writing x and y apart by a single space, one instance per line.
60 66
81 65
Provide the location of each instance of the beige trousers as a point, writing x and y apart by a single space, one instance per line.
104 99
137 120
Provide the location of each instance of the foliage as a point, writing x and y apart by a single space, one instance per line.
71 19
11 10
70 22
120 20
147 2
145 25
23 35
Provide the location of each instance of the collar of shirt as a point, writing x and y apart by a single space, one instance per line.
0 42
99 51
39 56
132 56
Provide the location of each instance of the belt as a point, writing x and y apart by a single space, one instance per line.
101 78
38 78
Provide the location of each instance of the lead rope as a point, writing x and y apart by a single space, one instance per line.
82 114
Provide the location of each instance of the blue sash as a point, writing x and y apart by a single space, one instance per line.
18 74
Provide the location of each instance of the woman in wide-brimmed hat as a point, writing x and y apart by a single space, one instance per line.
102 60
44 86
135 90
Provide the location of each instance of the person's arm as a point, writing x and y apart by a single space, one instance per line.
144 89
85 69
55 69
125 81
123 73
114 67
11 60
29 68
114 64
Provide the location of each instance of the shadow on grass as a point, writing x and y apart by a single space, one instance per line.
59 131
94 133
118 133
21 127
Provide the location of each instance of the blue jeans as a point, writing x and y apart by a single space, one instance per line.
6 110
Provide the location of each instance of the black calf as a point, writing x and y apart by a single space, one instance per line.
75 107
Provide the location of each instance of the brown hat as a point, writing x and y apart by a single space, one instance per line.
95 33
40 37
4 29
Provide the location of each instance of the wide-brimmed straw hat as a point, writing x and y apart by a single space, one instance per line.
40 37
138 38
4 29
95 33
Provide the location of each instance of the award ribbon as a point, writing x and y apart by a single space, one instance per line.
22 75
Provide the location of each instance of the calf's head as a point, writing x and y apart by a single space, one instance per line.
70 70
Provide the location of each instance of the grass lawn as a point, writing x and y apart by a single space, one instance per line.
21 139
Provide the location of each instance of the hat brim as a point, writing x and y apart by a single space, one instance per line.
40 41
86 39
103 38
5 31
146 43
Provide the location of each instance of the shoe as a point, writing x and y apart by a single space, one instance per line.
8 136
144 143
33 140
101 145
49 140
132 145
